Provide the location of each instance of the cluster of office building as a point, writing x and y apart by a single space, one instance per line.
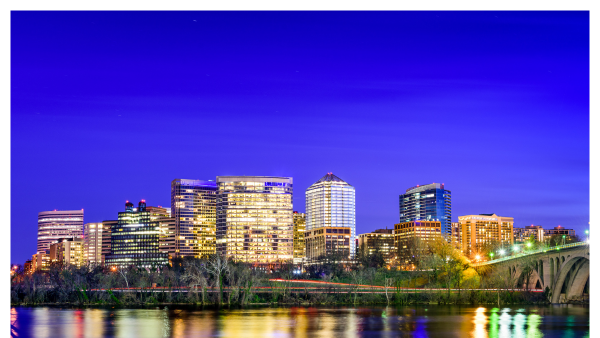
251 219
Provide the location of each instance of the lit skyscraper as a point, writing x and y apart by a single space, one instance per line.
299 241
92 244
430 203
55 225
330 202
194 210
254 218
135 239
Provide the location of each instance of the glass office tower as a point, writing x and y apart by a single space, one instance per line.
429 202
135 239
330 203
194 210
254 218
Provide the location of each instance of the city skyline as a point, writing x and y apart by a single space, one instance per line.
494 107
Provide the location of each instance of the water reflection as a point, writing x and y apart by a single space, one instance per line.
302 322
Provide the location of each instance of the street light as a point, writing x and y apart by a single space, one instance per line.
515 248
477 257
492 255
529 244
502 252
587 237
564 239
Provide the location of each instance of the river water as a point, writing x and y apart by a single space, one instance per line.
422 321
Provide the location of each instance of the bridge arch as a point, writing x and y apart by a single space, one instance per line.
572 280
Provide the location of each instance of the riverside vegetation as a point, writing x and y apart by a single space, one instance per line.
441 276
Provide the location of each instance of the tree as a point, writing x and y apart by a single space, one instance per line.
217 265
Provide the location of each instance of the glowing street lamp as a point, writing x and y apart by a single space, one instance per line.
529 244
587 237
515 248
477 257
502 252
492 254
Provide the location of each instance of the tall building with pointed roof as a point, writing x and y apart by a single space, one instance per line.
330 202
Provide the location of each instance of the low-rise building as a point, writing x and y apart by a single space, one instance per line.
28 267
413 238
521 235
380 240
559 230
40 261
68 252
326 241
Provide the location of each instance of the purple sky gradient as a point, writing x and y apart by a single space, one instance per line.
112 106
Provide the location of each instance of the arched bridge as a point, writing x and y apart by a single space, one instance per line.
564 269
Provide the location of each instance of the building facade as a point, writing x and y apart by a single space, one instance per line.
456 235
41 261
558 230
193 206
430 202
106 230
483 229
92 243
380 240
413 240
55 225
254 218
324 242
68 252
135 239
299 240
521 235
330 203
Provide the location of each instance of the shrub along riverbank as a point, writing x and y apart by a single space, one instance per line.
217 281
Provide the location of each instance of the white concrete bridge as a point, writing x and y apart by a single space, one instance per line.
564 269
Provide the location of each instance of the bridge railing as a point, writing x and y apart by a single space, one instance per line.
532 252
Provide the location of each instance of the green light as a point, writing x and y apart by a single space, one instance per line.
491 254
515 248
564 236
587 232
529 244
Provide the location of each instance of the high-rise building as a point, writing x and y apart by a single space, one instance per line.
330 202
323 242
92 243
429 202
299 241
106 230
168 228
254 218
521 235
413 240
380 240
194 209
480 230
55 225
68 252
135 239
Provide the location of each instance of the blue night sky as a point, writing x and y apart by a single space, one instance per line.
112 106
